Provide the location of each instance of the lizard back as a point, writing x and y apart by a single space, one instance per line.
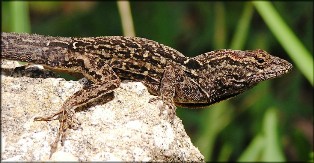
131 58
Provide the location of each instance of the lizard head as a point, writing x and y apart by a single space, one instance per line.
226 73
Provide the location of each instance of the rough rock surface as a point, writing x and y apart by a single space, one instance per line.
128 128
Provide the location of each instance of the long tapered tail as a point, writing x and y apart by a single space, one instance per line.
33 48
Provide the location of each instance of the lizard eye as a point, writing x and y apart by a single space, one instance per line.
260 60
261 57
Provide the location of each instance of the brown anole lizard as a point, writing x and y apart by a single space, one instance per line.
178 80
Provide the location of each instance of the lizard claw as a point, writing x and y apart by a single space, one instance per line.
48 118
168 110
67 120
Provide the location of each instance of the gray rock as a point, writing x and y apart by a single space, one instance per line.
128 128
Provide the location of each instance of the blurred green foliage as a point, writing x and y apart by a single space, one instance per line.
271 122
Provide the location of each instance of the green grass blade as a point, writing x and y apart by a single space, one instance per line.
296 50
225 152
266 145
272 151
220 26
243 27
253 152
19 16
219 116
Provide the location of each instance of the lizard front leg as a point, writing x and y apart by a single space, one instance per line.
167 89
101 88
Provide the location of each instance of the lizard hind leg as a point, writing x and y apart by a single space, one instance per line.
99 90
86 97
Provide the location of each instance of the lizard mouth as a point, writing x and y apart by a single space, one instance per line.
277 73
